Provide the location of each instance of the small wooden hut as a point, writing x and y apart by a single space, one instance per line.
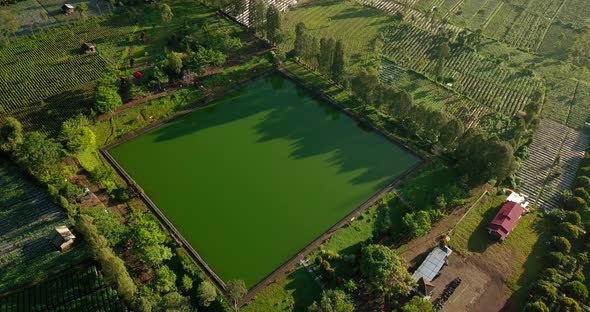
68 9
87 48
62 238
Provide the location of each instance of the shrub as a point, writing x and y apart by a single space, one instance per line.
579 276
417 223
585 171
583 258
575 290
119 194
576 204
538 306
582 193
545 291
550 274
555 259
569 231
570 305
186 283
561 244
582 181
572 217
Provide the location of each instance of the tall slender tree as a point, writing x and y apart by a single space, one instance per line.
299 45
273 24
339 62
256 15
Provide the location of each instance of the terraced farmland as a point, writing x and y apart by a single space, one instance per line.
83 289
480 79
556 153
54 68
27 218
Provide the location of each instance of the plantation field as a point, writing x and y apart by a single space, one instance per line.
292 165
83 289
27 219
355 24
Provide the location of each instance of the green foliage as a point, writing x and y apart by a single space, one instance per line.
204 58
569 305
364 83
555 258
273 24
108 224
206 293
186 283
106 97
582 193
11 134
174 63
537 306
256 14
575 290
418 304
332 301
39 154
418 223
384 270
148 239
77 135
166 13
158 78
572 217
165 280
236 290
561 244
569 231
576 204
550 274
582 181
544 291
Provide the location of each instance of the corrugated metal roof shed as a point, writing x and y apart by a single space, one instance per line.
433 264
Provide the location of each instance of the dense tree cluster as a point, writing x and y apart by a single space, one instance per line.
107 97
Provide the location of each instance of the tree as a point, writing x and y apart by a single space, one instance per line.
582 193
166 13
165 280
537 306
174 63
544 291
173 301
326 58
186 283
11 134
38 153
332 301
384 270
484 159
206 293
576 290
418 304
561 244
364 84
444 51
299 45
450 133
339 62
107 98
582 181
77 135
576 204
418 223
82 9
273 24
569 305
236 290
569 231
257 14
148 240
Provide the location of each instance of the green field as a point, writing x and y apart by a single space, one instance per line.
252 180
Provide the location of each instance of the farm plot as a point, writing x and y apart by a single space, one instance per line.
554 158
480 79
559 99
27 218
33 70
527 31
473 14
581 106
558 40
81 290
427 93
575 12
501 21
545 8
355 24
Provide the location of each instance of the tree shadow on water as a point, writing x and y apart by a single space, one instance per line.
312 128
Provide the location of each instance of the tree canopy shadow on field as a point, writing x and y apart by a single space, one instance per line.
532 267
312 129
480 240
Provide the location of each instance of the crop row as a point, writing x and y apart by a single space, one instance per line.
82 290
527 31
482 80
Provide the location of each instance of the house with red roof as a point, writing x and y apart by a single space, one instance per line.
507 218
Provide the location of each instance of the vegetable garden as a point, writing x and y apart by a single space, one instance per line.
81 290
27 218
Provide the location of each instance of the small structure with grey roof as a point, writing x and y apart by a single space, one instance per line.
434 262
62 238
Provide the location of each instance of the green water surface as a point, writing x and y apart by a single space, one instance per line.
256 177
